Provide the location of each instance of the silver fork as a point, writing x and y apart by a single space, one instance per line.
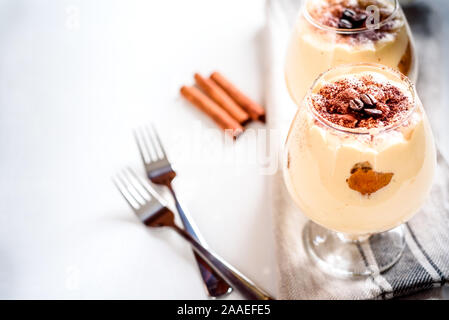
160 171
152 211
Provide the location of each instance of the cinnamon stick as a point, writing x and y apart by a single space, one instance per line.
221 98
208 106
255 111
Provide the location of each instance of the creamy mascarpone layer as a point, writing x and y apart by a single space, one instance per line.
313 51
319 162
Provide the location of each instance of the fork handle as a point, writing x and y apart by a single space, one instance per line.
185 219
215 285
239 282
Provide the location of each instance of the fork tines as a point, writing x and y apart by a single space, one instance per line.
136 191
149 144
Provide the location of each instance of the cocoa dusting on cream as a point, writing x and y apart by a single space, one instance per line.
367 181
361 102
350 14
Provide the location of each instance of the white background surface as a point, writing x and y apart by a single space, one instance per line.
76 76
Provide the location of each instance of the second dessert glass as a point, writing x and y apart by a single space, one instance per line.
332 32
359 184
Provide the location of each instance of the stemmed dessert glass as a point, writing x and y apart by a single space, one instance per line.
332 32
358 185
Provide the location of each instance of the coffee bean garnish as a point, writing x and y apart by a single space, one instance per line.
359 103
367 100
360 18
356 104
366 104
349 14
373 100
344 24
373 112
350 19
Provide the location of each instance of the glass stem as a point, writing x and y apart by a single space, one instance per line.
353 237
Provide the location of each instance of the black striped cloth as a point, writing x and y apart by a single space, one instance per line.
425 261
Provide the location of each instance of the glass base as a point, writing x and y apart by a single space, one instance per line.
343 255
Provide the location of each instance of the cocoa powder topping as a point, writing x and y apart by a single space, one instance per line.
361 101
350 14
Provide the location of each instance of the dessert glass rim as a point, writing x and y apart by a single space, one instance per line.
362 130
376 26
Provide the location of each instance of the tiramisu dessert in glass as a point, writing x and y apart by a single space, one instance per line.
359 162
332 32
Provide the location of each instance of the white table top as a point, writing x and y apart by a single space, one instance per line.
76 77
